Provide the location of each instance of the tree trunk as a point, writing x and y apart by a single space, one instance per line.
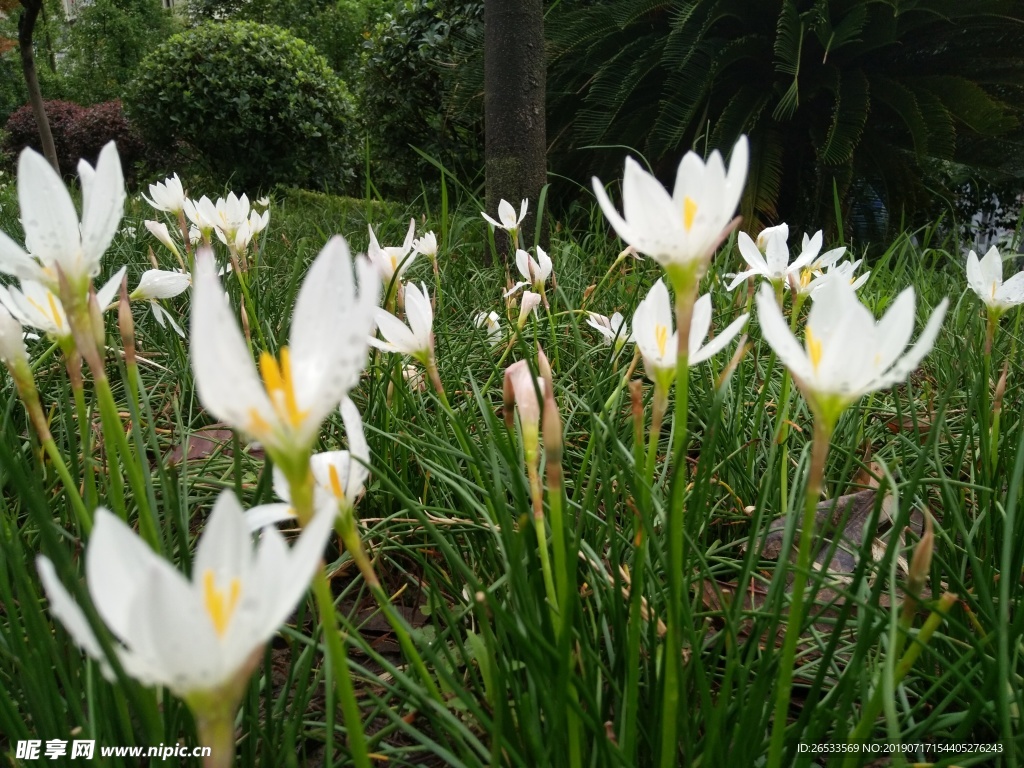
514 115
26 25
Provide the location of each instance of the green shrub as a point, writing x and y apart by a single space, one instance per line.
260 105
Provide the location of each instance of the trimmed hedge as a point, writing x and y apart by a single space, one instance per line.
260 105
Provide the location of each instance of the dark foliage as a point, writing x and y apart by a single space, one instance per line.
873 98
78 133
413 93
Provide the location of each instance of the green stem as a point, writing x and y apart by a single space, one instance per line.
684 284
819 452
82 516
338 658
874 705
114 434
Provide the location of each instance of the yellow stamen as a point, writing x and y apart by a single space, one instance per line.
220 606
661 336
394 263
336 489
689 212
805 278
52 314
813 349
993 291
277 378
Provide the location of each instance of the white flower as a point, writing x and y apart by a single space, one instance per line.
38 307
536 271
160 232
528 304
160 284
654 334
613 330
284 405
416 338
842 272
167 195
339 475
202 213
680 229
774 265
53 234
507 216
492 322
522 389
392 260
263 202
985 277
195 636
232 213
846 354
426 245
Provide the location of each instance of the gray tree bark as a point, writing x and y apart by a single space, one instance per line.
26 26
515 149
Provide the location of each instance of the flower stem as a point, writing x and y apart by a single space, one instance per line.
684 284
819 452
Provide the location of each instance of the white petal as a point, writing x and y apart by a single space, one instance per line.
751 255
47 213
225 375
105 295
779 337
161 284
64 608
103 207
269 514
718 343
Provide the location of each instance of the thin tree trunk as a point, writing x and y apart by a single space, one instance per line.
514 114
26 25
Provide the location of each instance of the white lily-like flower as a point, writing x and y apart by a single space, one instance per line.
985 277
199 637
426 245
655 336
528 304
339 476
846 353
159 230
167 195
774 264
492 322
36 306
521 391
156 284
284 405
232 213
842 272
536 271
613 330
507 216
203 214
263 202
160 284
392 262
416 338
54 235
680 230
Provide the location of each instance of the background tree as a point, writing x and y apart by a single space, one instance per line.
515 150
106 43
26 26
887 103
